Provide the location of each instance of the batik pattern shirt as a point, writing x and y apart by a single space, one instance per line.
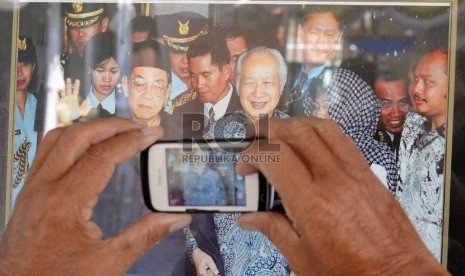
25 144
420 189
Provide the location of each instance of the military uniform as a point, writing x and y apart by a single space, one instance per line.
391 139
178 31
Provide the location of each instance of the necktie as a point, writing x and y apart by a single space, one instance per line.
211 113
298 90
99 106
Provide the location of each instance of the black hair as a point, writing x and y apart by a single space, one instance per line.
143 23
100 47
341 13
212 44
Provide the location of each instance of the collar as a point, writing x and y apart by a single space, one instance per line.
221 106
313 73
109 103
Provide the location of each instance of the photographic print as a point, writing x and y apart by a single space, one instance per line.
211 69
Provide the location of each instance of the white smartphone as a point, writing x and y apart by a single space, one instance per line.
201 177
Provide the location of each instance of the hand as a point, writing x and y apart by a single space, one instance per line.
51 230
68 106
340 219
204 264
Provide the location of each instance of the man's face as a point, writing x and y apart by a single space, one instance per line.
24 76
180 65
81 36
104 78
236 47
149 90
394 104
430 85
321 36
210 81
260 85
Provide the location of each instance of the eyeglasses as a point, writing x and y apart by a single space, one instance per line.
313 32
143 83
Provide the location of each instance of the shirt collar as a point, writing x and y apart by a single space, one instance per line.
109 103
221 106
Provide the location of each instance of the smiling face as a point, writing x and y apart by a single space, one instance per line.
430 87
209 80
260 85
321 36
23 76
104 78
394 104
149 90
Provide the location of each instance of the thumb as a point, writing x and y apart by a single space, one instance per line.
139 237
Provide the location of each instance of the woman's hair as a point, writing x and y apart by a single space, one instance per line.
101 47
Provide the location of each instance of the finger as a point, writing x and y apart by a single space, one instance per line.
320 143
300 178
142 235
46 146
96 166
277 227
69 87
211 266
62 91
77 139
77 84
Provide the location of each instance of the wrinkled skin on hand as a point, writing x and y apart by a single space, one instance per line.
340 219
51 231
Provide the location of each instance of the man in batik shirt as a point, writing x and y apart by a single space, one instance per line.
421 164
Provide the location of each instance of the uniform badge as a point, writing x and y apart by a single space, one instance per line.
22 45
183 27
77 6
17 131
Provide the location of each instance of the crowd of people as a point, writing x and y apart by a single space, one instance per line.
197 80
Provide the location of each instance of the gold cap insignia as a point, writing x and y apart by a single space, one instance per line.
77 6
183 27
22 45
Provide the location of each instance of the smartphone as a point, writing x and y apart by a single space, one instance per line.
201 177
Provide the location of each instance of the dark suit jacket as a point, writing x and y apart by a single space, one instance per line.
187 116
190 120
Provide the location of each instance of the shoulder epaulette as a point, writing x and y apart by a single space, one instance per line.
182 99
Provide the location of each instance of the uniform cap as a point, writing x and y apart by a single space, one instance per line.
181 28
81 15
26 50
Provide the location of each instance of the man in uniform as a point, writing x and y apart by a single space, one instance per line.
212 95
391 90
179 30
25 140
82 20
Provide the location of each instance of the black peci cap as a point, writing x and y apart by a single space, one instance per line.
181 28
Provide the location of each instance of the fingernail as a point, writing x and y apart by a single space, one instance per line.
153 131
181 223
245 223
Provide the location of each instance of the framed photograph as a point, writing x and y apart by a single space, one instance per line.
384 71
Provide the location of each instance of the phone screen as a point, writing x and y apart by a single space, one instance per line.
204 177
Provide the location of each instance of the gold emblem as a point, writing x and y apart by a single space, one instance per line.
77 6
183 27
22 45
